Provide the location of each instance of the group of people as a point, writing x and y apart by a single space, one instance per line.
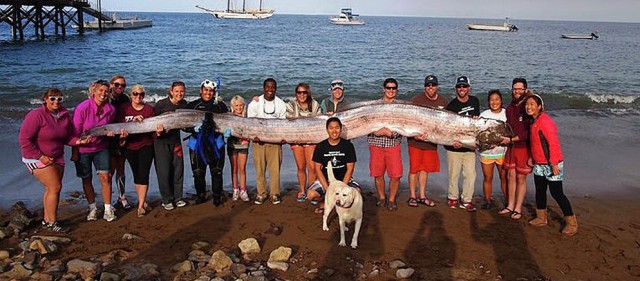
45 130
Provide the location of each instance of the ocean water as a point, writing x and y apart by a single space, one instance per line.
589 86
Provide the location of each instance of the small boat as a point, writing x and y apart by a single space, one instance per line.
505 27
232 13
346 17
119 23
591 36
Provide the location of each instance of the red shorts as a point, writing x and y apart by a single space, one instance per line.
517 158
423 160
387 159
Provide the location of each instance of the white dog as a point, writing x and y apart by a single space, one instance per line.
348 203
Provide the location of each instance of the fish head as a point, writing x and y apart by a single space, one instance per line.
493 135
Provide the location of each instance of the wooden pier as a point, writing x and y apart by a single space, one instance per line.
38 14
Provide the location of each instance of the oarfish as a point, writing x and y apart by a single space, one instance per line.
176 120
435 125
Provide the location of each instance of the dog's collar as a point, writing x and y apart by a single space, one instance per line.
347 207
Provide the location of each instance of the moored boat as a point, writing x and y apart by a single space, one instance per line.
119 23
505 27
346 17
591 36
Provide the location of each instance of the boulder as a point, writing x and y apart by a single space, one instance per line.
42 247
281 254
55 239
20 216
282 266
18 272
108 276
220 261
249 246
198 256
200 245
404 273
87 270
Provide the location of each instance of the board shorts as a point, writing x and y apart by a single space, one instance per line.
546 171
387 159
423 160
517 158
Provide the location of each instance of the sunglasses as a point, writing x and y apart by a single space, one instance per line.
391 88
302 92
54 99
462 86
336 84
431 85
118 85
135 94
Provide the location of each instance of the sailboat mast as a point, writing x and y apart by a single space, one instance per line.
228 5
260 5
243 5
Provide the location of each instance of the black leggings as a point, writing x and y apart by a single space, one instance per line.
140 161
555 187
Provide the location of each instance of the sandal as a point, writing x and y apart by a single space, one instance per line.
141 213
412 202
505 212
392 205
301 196
381 203
319 210
425 201
516 215
314 202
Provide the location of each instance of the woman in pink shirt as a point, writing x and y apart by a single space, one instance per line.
548 169
44 132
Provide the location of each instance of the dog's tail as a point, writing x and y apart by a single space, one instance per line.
330 172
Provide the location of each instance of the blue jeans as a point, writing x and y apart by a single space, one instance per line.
99 159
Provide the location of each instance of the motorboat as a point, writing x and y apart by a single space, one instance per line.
233 13
119 23
346 17
591 36
505 27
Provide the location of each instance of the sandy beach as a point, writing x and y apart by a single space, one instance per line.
438 242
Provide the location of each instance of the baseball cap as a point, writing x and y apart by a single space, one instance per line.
208 84
337 84
463 80
430 79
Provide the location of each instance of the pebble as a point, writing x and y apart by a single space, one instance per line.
374 273
220 261
396 264
56 239
4 254
184 266
108 276
129 236
87 270
249 246
200 245
282 254
282 266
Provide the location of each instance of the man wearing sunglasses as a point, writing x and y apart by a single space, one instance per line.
267 156
423 155
336 102
117 98
207 103
459 158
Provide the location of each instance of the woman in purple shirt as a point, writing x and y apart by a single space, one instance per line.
44 132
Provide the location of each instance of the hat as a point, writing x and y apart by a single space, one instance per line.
463 80
208 84
337 84
430 79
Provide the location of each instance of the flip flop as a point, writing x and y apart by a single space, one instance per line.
381 203
393 206
516 215
319 210
412 202
505 212
425 201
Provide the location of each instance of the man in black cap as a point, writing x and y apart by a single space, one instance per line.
459 158
423 155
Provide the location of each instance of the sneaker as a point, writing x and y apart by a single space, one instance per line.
124 203
200 199
260 199
467 206
55 227
275 200
93 215
452 203
109 214
236 194
244 196
168 206
181 203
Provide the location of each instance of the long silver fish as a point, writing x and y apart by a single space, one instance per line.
436 125
175 120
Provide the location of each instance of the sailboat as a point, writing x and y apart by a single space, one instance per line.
232 13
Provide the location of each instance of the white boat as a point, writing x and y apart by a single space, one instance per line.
119 23
505 27
591 36
346 17
232 13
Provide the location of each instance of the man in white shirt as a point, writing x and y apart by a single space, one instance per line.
267 156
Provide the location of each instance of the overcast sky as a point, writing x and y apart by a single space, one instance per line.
581 10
